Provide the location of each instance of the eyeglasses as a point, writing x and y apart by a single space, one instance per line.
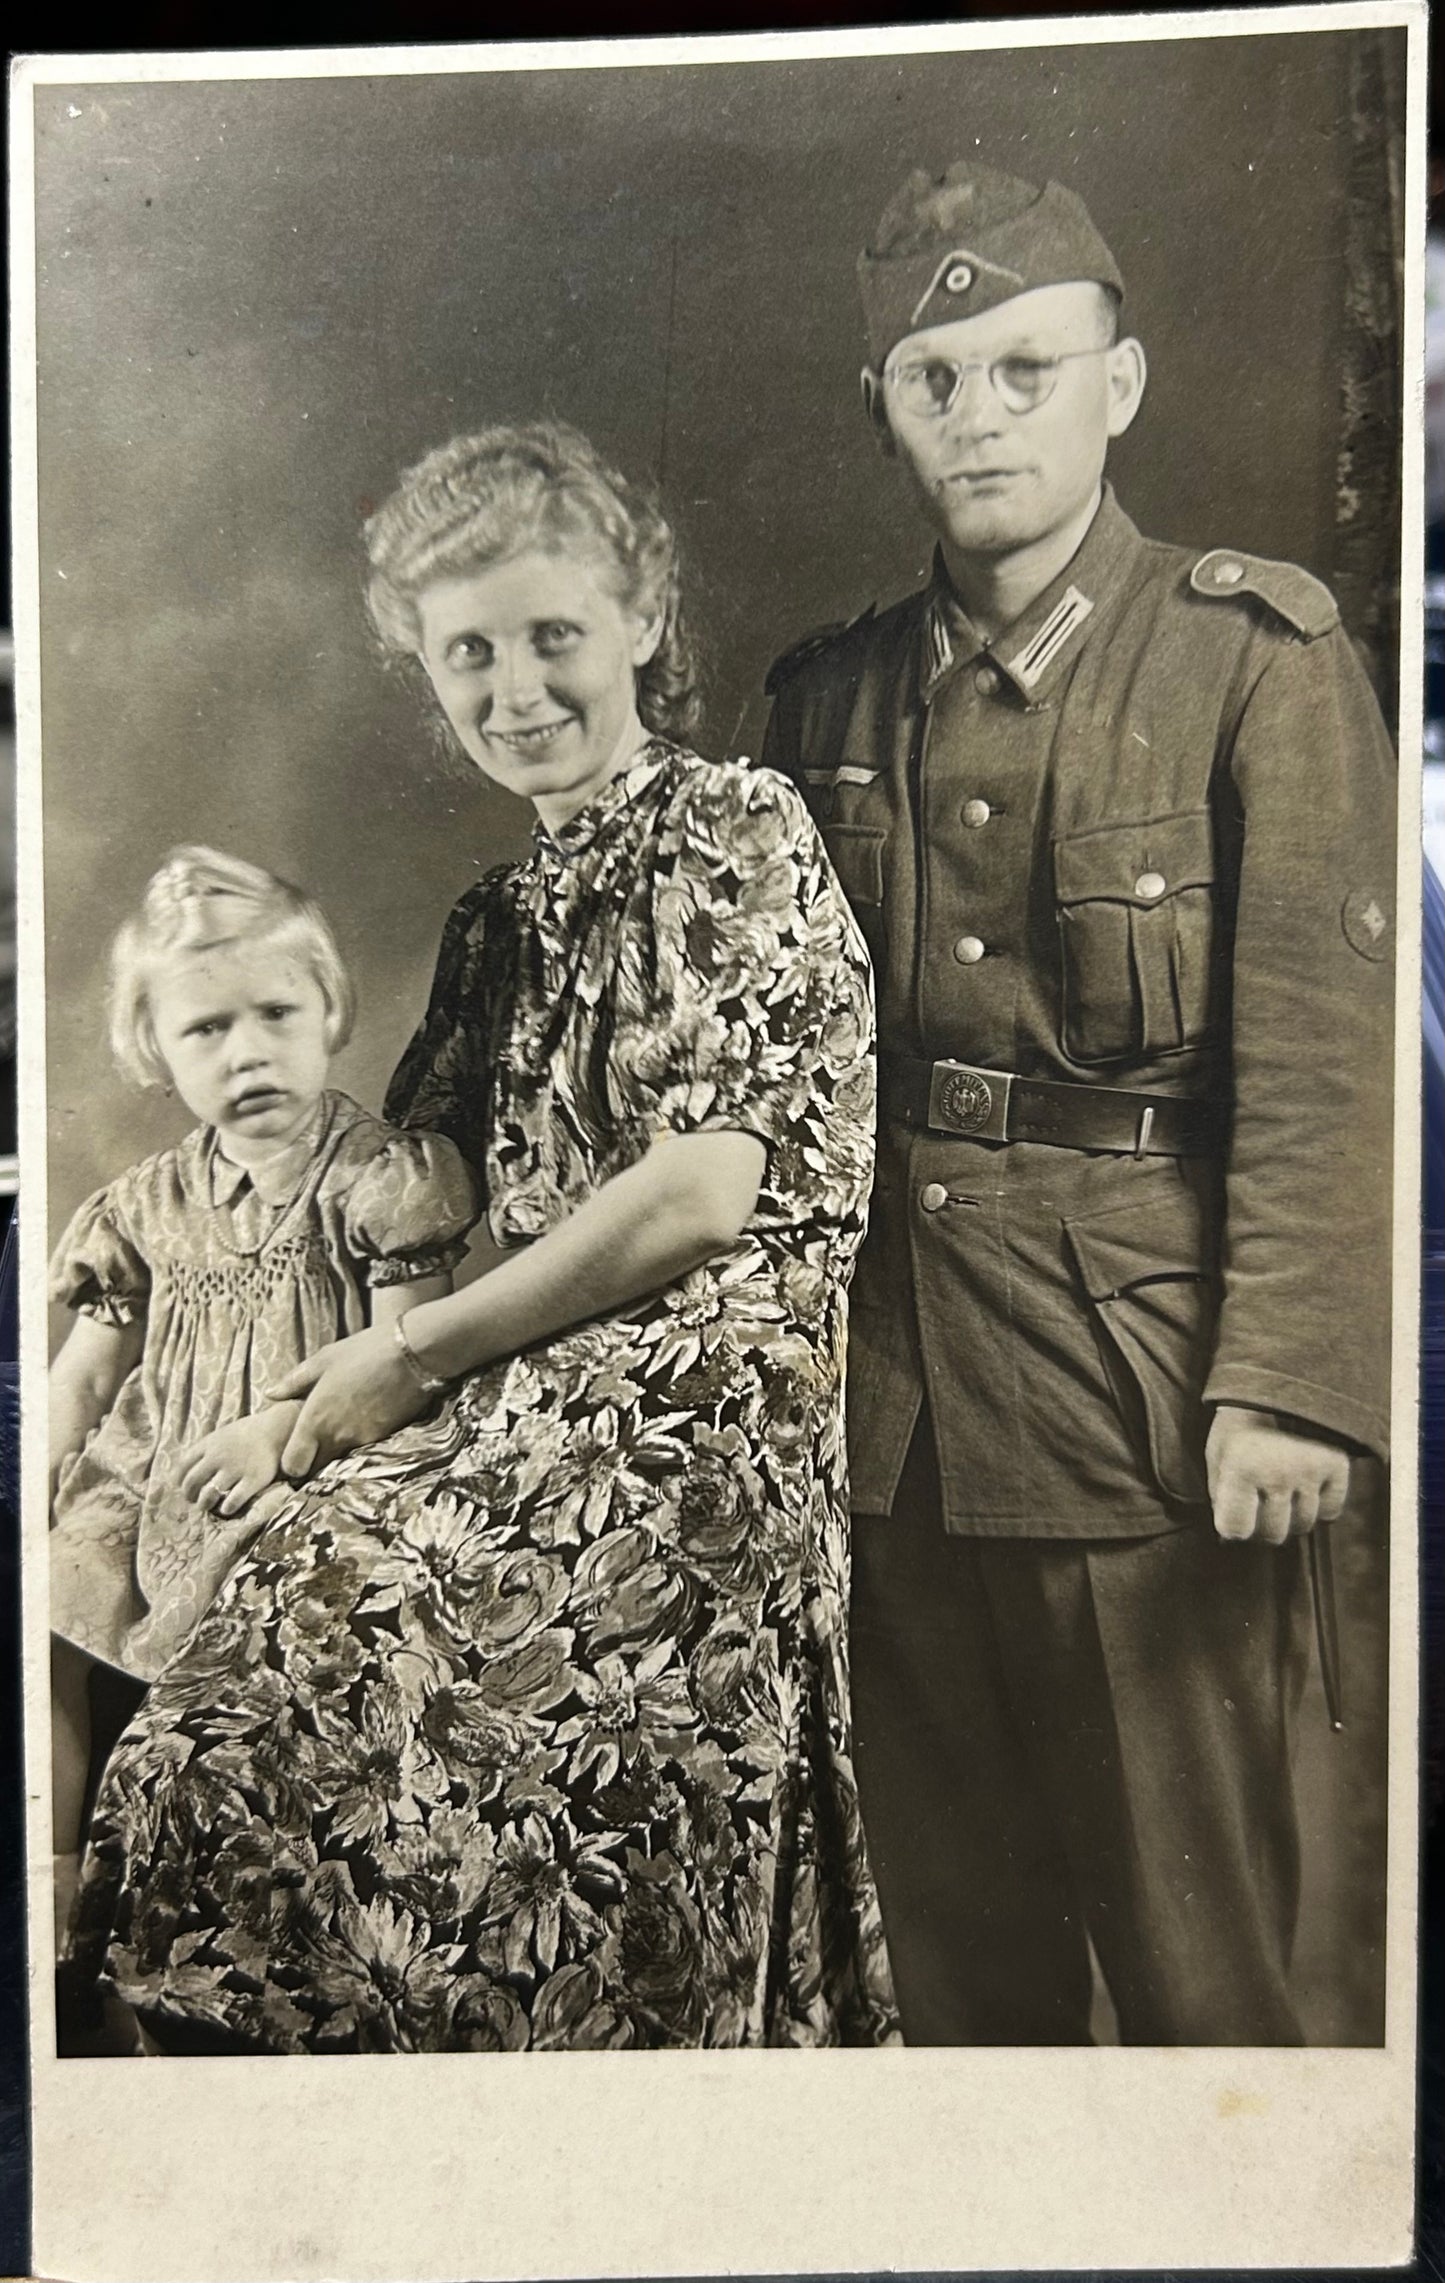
927 387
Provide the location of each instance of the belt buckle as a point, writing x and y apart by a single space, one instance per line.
964 1100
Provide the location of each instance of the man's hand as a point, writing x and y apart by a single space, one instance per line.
1268 1482
226 1469
357 1390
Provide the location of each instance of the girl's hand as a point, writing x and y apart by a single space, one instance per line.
356 1391
226 1469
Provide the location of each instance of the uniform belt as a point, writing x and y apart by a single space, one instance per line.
995 1105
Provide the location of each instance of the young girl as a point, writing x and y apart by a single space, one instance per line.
206 1273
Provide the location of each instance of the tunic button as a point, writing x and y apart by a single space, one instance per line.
934 1196
1228 573
1150 884
968 950
985 681
959 278
976 812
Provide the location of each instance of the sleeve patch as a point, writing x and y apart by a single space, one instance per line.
1292 594
1366 923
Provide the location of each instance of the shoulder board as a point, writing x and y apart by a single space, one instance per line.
812 646
1292 594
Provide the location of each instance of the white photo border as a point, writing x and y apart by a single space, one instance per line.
775 2163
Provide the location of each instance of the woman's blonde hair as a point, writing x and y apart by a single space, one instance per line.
198 899
482 499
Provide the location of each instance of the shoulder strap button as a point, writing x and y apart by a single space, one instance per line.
1290 593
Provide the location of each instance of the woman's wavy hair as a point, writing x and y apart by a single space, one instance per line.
198 899
482 499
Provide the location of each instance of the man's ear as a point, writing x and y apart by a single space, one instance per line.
876 412
1128 373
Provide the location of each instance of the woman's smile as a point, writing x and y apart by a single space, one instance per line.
533 741
530 740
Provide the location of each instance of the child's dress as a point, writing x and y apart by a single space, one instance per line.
240 1276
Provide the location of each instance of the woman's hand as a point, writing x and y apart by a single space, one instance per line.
356 1391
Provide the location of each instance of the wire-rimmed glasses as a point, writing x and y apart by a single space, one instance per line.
927 387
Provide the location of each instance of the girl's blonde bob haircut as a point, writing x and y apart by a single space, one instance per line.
200 899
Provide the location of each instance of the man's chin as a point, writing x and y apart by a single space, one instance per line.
983 534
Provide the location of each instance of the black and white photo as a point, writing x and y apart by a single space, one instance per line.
719 995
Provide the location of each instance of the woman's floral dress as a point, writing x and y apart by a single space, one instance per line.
529 1725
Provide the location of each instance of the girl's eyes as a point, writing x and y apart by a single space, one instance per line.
212 1026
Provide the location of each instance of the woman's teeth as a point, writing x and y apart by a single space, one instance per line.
529 740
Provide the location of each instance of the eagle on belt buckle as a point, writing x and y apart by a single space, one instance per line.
962 1100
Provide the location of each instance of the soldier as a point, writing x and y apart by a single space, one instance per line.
1117 820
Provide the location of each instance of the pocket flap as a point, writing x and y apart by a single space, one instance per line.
857 855
1136 863
1162 1234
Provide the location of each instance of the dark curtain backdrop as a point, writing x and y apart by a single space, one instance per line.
259 300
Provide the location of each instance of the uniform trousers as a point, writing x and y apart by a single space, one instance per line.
1060 1741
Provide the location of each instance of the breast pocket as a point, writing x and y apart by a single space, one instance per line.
1136 926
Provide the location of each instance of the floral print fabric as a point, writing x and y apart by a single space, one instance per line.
529 1726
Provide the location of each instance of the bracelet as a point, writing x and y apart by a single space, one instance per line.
426 1380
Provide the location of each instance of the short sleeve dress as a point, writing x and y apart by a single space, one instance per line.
528 1726
239 1278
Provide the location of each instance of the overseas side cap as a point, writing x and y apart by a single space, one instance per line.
952 245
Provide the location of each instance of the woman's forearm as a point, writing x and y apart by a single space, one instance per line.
686 1200
388 1301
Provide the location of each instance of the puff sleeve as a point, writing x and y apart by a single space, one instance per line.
410 1208
98 1268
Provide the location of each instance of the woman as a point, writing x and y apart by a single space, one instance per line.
526 1722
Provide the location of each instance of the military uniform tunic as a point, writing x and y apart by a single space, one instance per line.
1145 840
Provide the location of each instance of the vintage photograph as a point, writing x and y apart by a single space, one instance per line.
713 751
